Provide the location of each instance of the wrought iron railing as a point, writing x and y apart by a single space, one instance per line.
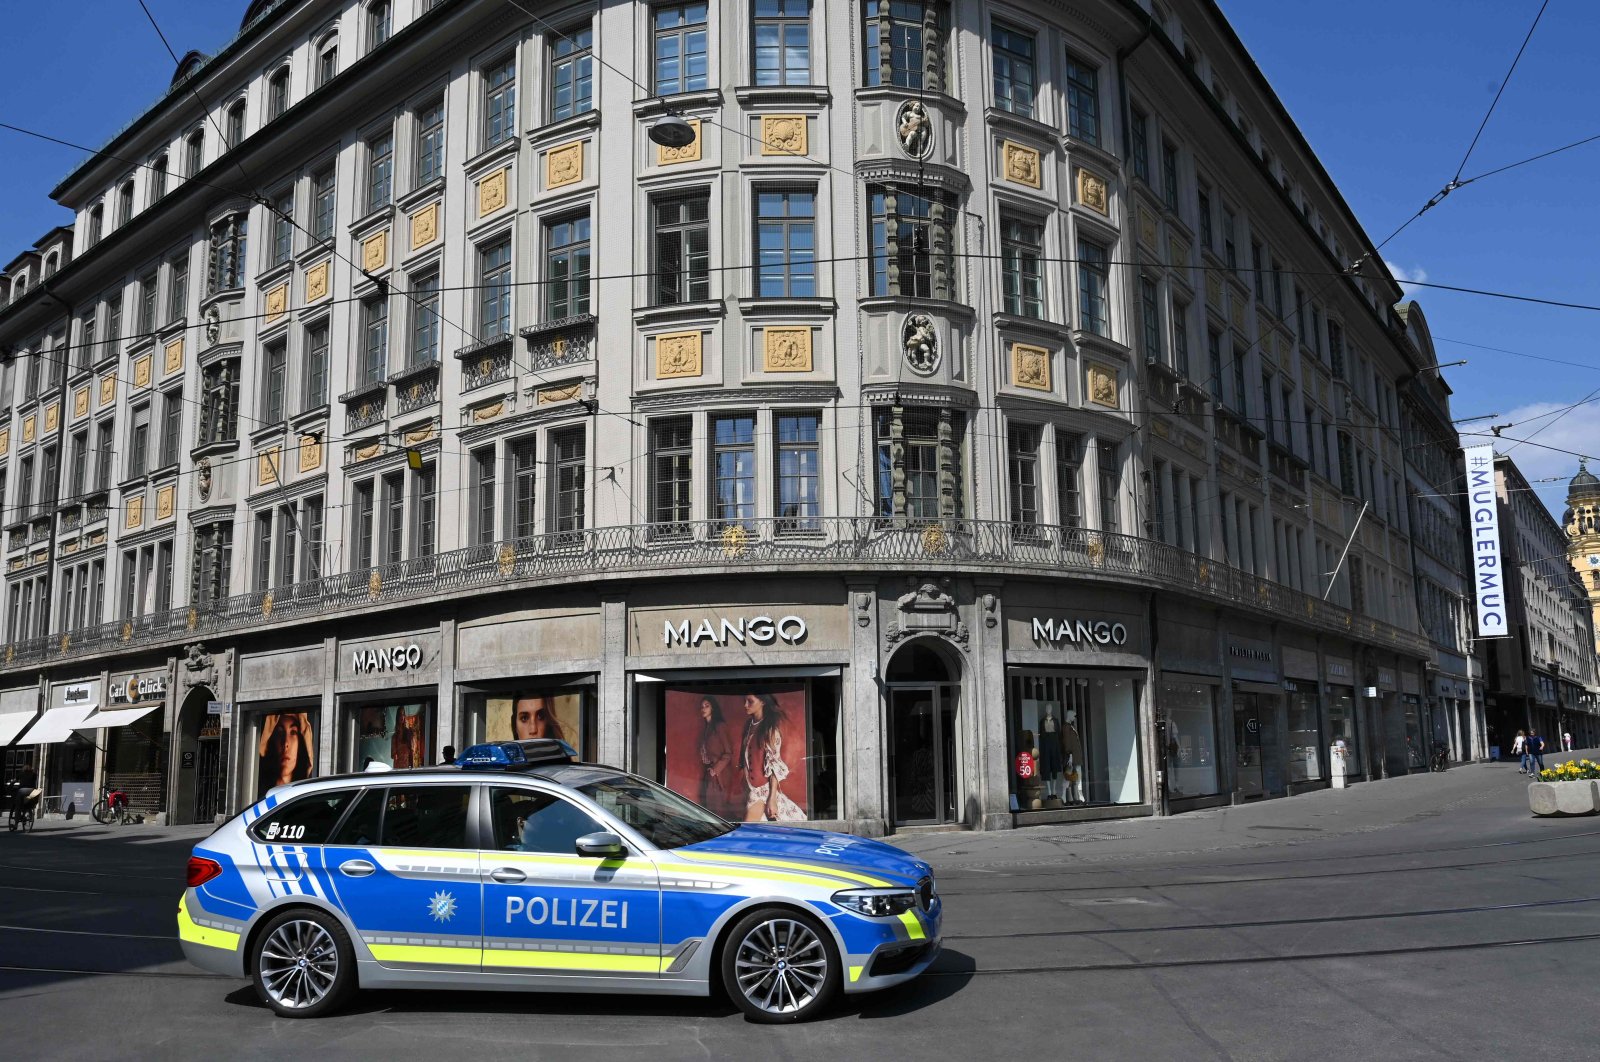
772 544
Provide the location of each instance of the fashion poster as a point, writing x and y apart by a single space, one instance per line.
522 716
740 751
284 751
392 734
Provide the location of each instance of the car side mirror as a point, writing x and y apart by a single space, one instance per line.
600 845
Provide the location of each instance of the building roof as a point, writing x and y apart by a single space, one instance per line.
1584 484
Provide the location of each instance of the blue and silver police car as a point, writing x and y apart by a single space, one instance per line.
520 868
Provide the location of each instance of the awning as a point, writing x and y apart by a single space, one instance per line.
55 725
13 723
110 717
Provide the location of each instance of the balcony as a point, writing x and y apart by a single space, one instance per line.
415 386
485 362
559 343
706 548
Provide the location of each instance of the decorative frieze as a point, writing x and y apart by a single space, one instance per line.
563 165
784 134
1019 164
786 349
1030 367
678 355
492 192
690 152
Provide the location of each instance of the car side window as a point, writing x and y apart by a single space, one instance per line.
426 816
308 820
360 827
528 821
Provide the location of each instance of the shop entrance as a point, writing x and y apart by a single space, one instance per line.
923 698
201 776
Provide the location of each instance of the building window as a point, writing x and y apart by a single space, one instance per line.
104 455
425 512
236 124
1180 337
919 454
194 153
125 204
278 93
282 215
671 475
786 244
1214 353
1014 71
681 60
158 178
219 401
798 502
430 141
228 238
374 340
905 43
911 237
315 375
171 429
1023 460
379 23
1230 255
566 267
361 527
275 370
1110 472
500 102
393 530
288 522
524 488
97 223
1139 144
1203 199
88 339
733 469
782 41
210 574
494 292
147 302
425 320
1240 402
77 469
572 73
380 170
1021 280
1150 319
1169 177
484 471
322 203
311 546
1093 312
178 289
569 451
682 244
1083 100
327 59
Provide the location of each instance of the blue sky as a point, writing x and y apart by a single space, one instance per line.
1388 94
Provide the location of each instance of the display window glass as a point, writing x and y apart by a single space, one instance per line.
285 747
1416 756
1305 733
1074 739
522 713
1189 710
1342 726
755 751
397 734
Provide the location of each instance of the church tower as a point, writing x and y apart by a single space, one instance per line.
1583 536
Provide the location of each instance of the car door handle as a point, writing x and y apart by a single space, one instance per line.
356 868
508 875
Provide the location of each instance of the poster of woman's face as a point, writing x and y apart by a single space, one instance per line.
284 750
392 734
741 751
523 716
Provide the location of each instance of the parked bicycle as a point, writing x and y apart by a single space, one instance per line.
111 807
1441 758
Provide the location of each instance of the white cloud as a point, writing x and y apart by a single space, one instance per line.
1578 430
1404 275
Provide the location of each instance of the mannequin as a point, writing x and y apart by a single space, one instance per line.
1050 752
1072 755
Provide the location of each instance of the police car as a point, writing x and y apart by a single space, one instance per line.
520 868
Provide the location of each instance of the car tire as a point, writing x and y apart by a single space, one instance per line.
780 966
302 964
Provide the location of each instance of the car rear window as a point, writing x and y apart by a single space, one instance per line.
308 820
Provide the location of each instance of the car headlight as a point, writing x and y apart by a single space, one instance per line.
877 903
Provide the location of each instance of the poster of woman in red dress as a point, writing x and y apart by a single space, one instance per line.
740 751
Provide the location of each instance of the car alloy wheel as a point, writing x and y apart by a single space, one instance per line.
780 967
304 965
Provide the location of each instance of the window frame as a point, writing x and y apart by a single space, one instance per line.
572 68
684 34
786 224
782 22
498 97
563 297
687 279
1080 79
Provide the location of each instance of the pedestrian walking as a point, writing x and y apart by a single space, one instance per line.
1535 749
1519 749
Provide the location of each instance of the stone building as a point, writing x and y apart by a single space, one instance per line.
1583 535
1003 395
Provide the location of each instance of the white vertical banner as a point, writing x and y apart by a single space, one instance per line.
1483 516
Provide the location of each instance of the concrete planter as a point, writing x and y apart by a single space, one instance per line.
1564 798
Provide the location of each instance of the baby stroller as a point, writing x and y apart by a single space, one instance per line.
24 807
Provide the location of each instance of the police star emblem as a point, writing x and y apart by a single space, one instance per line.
441 907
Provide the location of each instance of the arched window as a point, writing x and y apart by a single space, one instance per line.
379 22
327 59
51 263
125 203
278 94
195 153
236 124
97 222
158 178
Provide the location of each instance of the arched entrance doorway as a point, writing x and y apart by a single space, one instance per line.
199 795
923 680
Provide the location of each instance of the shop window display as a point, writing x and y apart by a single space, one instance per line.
394 735
1305 734
1074 738
563 713
1189 710
285 750
1342 726
1416 755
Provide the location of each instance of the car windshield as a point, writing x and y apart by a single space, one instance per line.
666 819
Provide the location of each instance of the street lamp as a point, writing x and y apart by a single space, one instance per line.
670 131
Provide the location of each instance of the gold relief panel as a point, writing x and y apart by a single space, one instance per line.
135 511
492 192
690 152
488 412
166 501
1102 385
551 395
784 134
267 466
1020 164
1149 231
278 301
425 226
317 282
678 354
173 360
1092 192
368 452
310 453
418 435
108 388
143 368
563 165
52 417
786 350
375 251
5 441
30 428
1030 367
80 402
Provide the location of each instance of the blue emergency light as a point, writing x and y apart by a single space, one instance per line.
515 755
